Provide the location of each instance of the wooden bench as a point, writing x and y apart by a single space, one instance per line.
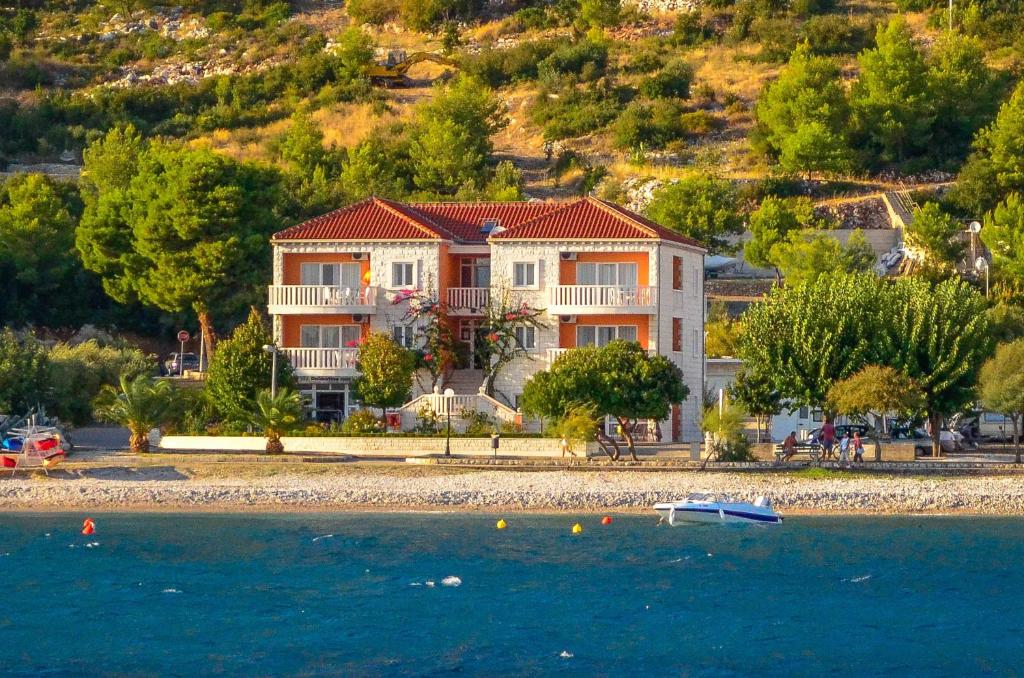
812 451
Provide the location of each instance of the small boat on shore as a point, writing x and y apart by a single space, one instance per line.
711 508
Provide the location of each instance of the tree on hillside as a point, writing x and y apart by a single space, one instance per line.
1006 322
891 102
1003 235
378 165
37 258
189 231
806 256
700 207
803 116
757 396
937 235
996 167
965 93
771 224
620 380
385 372
1002 387
241 369
600 13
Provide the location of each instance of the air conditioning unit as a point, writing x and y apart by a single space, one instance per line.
358 256
568 319
567 256
357 317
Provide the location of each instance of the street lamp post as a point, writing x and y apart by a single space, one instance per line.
272 350
981 266
448 395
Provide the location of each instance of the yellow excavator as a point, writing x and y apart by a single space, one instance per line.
392 72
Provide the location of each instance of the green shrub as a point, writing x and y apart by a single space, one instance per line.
375 12
500 67
477 423
698 123
833 34
585 58
361 422
673 81
648 125
575 112
644 57
690 29
77 373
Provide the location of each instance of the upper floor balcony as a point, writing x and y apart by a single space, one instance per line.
468 300
601 299
322 299
322 362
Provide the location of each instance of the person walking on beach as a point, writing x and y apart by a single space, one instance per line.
828 438
844 450
789 446
858 448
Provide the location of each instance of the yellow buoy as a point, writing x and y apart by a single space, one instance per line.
501 524
577 528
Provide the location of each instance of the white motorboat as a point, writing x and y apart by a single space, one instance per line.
711 508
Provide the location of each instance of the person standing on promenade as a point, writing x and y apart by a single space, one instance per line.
844 450
828 438
858 448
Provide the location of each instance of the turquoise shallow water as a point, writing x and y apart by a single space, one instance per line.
271 594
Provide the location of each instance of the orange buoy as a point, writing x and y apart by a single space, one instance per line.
88 527
607 520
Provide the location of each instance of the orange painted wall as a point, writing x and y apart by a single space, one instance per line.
293 264
291 326
567 332
567 269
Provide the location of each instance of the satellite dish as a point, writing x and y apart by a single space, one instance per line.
975 226
981 264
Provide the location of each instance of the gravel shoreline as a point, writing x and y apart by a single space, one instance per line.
549 491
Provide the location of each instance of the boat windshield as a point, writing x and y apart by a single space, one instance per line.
702 496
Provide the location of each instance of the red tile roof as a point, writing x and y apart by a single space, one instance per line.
581 219
370 219
592 219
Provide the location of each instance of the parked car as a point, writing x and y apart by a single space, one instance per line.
850 429
189 361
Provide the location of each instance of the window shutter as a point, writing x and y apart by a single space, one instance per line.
677 334
677 273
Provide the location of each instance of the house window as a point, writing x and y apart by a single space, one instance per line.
804 413
341 275
622 275
677 334
476 272
405 335
602 335
524 274
696 282
816 416
526 337
402 274
329 336
677 273
696 343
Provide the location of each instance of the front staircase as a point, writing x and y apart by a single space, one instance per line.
465 382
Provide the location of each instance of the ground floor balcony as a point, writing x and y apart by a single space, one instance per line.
601 299
468 300
322 299
322 362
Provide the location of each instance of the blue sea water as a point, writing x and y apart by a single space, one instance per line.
366 594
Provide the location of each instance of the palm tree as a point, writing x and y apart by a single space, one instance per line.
141 405
276 415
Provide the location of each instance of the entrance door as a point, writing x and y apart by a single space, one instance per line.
330 406
481 348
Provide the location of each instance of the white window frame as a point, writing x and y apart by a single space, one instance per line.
616 268
526 337
616 331
529 270
404 335
406 267
354 332
696 342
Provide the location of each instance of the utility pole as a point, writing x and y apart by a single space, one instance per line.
950 16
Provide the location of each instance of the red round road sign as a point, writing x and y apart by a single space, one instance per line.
183 336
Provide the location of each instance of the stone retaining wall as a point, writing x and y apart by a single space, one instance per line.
375 446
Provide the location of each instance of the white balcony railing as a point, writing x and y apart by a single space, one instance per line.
322 299
554 353
589 298
323 362
468 299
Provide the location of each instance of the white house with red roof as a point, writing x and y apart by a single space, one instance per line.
599 271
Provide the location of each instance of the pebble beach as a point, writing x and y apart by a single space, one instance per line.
397 488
